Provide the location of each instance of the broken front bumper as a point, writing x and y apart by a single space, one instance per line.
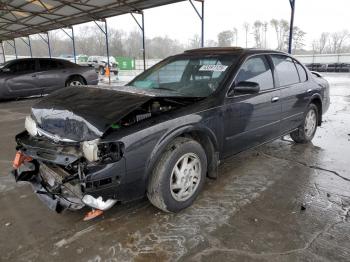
40 179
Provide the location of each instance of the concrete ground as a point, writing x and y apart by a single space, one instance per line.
279 202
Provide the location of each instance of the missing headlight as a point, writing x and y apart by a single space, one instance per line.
110 152
106 152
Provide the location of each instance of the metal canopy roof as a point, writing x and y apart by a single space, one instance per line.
20 18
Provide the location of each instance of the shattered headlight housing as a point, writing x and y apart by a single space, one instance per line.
106 152
31 126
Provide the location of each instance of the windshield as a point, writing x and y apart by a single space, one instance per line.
197 76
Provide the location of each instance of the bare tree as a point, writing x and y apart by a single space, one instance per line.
337 41
235 35
194 42
246 27
298 38
323 42
257 32
265 27
211 43
282 29
225 38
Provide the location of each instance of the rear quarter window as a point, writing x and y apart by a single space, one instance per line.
286 70
301 71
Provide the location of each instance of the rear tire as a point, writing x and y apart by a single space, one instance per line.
306 131
178 176
75 81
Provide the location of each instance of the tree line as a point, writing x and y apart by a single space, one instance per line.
90 41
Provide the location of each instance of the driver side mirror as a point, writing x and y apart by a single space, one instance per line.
246 87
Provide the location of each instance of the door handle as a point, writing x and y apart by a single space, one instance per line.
309 91
275 99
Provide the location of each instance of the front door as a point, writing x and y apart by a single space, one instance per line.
251 119
21 78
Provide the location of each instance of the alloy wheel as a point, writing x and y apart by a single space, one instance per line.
185 177
310 123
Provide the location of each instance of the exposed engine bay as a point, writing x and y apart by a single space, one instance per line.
152 108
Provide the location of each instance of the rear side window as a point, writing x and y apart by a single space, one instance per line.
286 70
301 71
257 70
47 64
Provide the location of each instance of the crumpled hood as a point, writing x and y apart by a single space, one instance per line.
84 113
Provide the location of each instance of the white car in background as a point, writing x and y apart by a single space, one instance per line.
100 64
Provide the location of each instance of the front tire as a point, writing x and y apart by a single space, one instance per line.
178 176
306 131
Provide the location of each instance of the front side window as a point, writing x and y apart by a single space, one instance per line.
193 76
22 66
286 70
256 69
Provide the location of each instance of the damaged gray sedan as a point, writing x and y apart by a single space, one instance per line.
165 132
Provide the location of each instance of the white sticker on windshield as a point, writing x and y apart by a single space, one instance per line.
213 68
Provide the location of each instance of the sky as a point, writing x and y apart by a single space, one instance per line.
180 21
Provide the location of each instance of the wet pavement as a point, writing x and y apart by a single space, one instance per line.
278 202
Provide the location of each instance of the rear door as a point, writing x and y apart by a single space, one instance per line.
50 75
21 78
291 78
251 119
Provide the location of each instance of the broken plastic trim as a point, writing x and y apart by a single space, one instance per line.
98 203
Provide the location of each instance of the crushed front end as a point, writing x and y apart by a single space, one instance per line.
70 175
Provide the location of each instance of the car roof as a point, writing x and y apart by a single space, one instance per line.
230 50
39 58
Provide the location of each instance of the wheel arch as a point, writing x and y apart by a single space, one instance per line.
75 75
317 101
203 135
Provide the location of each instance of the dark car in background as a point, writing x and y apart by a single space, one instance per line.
165 132
37 76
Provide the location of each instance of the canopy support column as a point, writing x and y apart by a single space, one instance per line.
47 41
142 28
201 17
13 46
71 36
3 51
105 32
290 42
28 43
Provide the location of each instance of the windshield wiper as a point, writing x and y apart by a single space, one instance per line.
165 88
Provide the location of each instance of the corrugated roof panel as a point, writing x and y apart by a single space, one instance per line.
34 16
14 27
36 20
67 11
